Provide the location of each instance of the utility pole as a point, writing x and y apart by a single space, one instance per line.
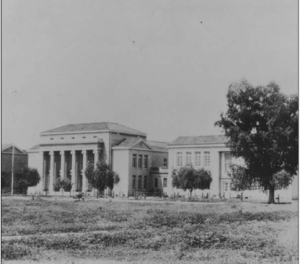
12 170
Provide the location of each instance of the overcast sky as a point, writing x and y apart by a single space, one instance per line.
162 67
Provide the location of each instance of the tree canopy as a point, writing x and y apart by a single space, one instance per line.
261 125
187 178
102 176
27 177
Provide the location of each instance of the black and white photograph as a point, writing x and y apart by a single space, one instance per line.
149 131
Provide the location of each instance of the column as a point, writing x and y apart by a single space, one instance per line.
43 170
96 157
62 164
84 179
73 180
51 171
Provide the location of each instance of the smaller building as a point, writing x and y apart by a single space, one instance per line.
211 153
12 158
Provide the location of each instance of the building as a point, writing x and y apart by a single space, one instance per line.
211 153
64 152
11 153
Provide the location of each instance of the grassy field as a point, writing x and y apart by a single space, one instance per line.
64 231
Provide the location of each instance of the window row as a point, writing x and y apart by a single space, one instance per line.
197 159
73 137
137 160
140 182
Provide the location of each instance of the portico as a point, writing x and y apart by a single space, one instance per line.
68 162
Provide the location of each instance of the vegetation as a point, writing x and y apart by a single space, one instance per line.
187 178
145 231
66 185
262 127
102 176
27 177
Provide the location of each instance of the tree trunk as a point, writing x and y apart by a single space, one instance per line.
271 195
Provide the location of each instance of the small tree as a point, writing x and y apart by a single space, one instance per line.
57 185
102 176
66 184
27 177
89 172
187 178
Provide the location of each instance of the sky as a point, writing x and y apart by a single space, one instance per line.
159 66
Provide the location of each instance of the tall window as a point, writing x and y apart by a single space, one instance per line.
145 182
134 160
179 159
227 161
165 182
197 158
155 182
133 182
206 158
140 161
146 161
140 183
188 158
165 162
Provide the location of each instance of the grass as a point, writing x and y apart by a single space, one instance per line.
148 232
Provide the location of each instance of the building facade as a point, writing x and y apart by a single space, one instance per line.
12 158
212 154
65 151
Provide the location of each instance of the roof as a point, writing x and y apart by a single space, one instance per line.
84 127
200 140
157 145
131 142
7 146
36 147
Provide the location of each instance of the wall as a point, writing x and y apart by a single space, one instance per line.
214 166
121 166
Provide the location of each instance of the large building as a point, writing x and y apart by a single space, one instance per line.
211 153
65 151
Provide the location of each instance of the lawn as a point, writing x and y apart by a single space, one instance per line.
59 229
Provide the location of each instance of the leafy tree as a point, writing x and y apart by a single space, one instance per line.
66 184
57 184
27 177
187 178
102 176
261 125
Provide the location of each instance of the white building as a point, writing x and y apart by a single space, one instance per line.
211 153
64 152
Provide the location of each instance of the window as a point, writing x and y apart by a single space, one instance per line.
145 182
155 182
134 160
165 182
146 161
140 182
227 162
133 182
197 158
179 159
165 162
140 161
206 158
188 158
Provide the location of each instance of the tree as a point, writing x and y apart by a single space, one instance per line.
66 184
102 176
187 178
27 177
261 125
